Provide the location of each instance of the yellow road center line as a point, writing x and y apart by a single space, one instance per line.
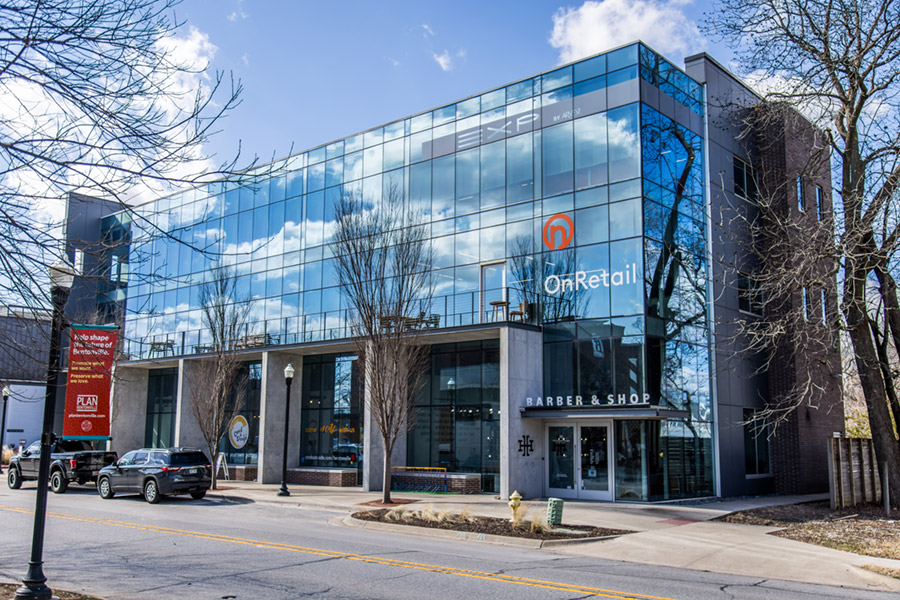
553 585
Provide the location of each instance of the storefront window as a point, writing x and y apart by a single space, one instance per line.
243 448
160 427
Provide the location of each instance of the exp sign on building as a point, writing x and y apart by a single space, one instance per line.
91 353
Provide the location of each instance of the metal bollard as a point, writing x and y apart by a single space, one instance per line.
554 511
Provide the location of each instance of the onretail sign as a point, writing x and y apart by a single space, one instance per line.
583 280
91 352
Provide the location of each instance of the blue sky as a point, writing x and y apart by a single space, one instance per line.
314 71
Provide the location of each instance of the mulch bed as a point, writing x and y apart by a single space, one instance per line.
8 590
393 502
861 529
490 525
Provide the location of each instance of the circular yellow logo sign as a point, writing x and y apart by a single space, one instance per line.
239 432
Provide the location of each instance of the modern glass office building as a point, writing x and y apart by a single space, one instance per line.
571 321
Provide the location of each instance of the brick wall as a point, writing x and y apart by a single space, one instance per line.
242 473
327 477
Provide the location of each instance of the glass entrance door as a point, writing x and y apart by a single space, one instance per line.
594 464
578 461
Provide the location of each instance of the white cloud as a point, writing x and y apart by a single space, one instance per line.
428 30
245 59
444 60
394 61
239 13
597 26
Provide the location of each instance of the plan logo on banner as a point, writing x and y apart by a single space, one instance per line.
91 352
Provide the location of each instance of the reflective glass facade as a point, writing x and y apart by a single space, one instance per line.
573 200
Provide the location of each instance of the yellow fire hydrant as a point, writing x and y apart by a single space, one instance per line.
515 500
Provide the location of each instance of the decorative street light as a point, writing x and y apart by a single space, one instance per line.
6 393
288 379
34 584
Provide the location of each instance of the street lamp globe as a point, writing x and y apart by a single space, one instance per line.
289 371
6 392
62 274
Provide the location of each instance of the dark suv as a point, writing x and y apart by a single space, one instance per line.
157 472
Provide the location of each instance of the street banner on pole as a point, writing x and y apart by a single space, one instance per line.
91 352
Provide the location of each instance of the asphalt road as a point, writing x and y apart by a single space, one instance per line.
127 549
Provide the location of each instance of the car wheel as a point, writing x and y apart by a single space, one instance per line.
13 479
151 492
58 483
198 495
105 488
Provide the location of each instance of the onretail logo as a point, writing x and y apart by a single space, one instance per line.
564 227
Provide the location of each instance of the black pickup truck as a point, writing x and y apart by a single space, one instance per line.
71 461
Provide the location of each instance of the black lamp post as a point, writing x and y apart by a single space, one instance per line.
288 379
6 393
34 584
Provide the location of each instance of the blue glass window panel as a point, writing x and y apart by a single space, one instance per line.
246 198
335 149
316 156
442 187
519 238
623 57
493 217
519 169
467 181
420 187
393 131
273 283
276 218
626 265
245 233
312 302
312 275
293 210
556 204
624 143
467 108
260 225
334 172
315 219
393 155
466 246
591 197
590 68
466 223
277 188
625 219
556 106
420 123
353 166
592 225
444 140
329 274
623 87
590 96
443 115
372 160
519 91
420 146
373 137
520 211
258 285
291 280
557 159
493 243
466 279
316 174
443 251
443 227
372 188
493 99
260 193
353 144
593 296
556 79
295 183
625 189
230 230
591 151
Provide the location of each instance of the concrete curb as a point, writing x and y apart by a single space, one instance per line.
449 534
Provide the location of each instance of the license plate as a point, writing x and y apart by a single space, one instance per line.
192 471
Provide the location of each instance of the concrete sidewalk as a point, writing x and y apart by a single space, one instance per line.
667 535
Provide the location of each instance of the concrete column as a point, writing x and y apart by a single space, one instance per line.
271 415
373 450
521 375
187 430
128 406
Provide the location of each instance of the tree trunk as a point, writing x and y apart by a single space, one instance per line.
215 468
887 449
386 478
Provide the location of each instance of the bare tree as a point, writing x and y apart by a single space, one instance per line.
383 261
98 99
839 63
218 388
